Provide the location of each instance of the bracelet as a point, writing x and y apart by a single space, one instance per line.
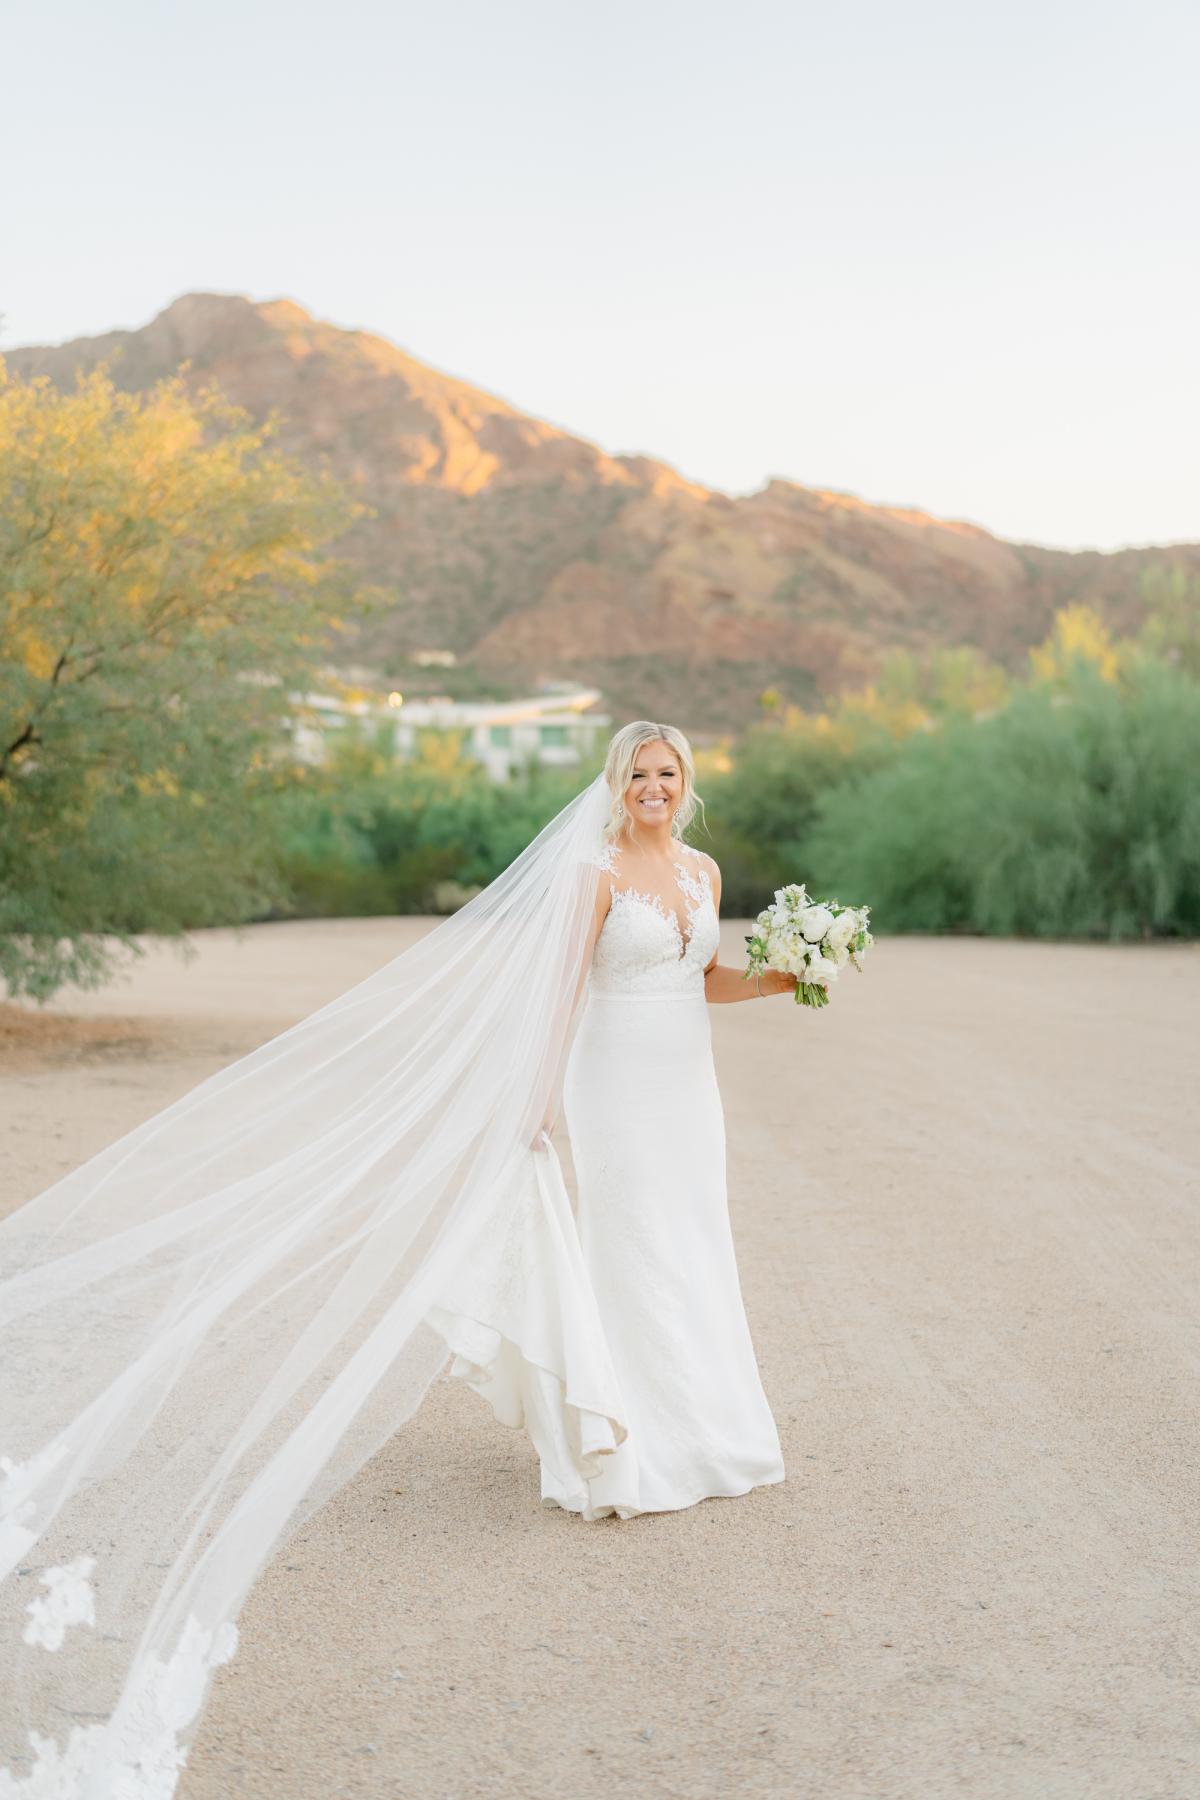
758 984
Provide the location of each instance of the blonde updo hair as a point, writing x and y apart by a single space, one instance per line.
623 753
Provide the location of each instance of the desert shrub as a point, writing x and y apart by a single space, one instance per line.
1072 813
371 833
759 813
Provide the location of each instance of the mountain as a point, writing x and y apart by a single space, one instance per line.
535 555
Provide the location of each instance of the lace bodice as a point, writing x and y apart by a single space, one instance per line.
641 948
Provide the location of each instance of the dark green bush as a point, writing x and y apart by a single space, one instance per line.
372 834
758 818
1073 813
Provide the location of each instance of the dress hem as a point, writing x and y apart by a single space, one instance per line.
593 1434
592 1514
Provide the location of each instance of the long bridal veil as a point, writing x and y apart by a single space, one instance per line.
209 1327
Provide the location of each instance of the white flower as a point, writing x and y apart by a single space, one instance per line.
811 940
815 921
69 1600
788 901
844 930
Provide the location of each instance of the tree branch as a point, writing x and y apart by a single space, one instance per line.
27 736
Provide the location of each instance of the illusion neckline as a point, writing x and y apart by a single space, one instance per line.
684 928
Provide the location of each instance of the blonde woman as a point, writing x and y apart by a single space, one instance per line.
647 1134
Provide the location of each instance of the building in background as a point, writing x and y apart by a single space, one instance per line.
560 727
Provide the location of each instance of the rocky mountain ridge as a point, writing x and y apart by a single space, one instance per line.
533 554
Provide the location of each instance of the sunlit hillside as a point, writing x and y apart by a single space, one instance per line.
530 553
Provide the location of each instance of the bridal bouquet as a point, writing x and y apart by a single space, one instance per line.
811 939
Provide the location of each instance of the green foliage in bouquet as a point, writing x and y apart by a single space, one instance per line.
810 939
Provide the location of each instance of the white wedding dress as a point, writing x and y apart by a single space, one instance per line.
619 1337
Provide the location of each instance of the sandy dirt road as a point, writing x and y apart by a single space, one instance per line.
966 1201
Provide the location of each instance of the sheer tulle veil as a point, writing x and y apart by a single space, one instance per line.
208 1328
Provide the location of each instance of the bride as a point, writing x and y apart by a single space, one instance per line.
209 1327
647 1133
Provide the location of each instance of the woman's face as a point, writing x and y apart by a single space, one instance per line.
655 786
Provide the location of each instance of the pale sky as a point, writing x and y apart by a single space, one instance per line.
932 254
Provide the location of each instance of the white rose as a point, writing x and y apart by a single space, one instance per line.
815 921
844 930
821 969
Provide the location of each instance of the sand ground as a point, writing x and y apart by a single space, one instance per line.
967 1209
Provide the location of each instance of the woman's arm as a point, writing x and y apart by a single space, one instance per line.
723 985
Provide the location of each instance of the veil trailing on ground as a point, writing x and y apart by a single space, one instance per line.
209 1327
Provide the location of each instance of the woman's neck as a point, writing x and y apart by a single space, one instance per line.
654 841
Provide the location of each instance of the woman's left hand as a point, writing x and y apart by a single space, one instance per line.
776 981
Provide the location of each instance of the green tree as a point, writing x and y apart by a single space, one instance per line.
1073 813
760 811
1172 627
371 832
164 588
1079 641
